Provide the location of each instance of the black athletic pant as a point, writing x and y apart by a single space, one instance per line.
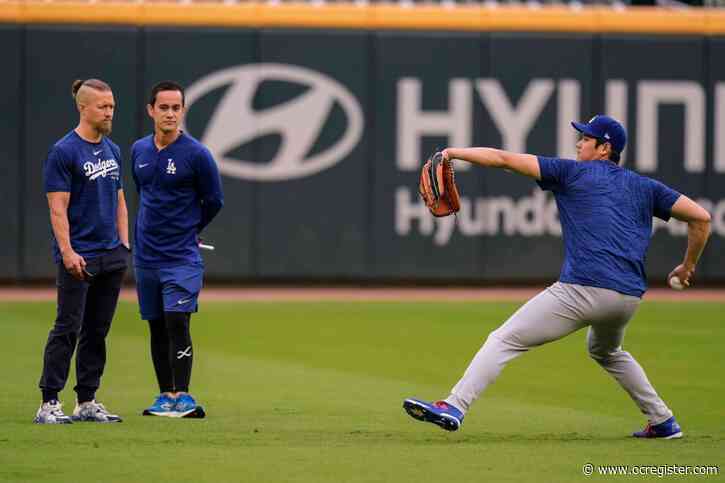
84 314
171 351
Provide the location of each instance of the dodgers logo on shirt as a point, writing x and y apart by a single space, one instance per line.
102 168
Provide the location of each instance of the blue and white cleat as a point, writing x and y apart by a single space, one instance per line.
51 413
162 406
94 412
665 430
439 413
186 407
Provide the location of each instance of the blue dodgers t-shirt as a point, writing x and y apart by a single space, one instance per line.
180 192
91 173
606 218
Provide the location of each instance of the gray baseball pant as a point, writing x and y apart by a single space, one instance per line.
553 314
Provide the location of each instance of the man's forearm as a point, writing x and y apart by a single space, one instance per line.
122 222
61 230
488 157
697 234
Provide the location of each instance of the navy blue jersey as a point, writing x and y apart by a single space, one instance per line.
606 218
180 193
91 173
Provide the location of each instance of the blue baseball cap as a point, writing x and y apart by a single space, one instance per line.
604 128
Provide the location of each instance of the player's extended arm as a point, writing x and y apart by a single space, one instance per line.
58 203
122 219
526 164
698 231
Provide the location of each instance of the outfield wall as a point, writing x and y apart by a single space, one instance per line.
319 134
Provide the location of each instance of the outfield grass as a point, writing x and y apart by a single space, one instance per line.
312 392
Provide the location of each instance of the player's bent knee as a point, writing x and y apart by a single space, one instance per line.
505 339
604 357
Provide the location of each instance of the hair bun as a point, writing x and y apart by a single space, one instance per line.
76 85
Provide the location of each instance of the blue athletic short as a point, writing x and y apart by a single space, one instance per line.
173 289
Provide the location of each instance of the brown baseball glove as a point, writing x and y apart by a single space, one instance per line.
438 186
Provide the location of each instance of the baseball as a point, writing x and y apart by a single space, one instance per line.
675 283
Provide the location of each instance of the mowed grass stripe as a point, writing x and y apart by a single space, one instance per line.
311 392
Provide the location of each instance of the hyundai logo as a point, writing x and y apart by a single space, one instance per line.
298 121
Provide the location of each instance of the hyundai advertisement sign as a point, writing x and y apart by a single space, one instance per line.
320 136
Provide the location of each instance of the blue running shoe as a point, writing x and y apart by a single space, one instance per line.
163 406
666 430
439 413
186 407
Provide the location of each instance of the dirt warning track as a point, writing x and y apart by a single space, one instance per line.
263 294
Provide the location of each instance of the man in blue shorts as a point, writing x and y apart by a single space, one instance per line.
89 219
606 216
180 189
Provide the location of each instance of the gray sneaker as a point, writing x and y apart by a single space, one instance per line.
94 412
51 413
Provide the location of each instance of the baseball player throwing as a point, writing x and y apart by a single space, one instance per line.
606 216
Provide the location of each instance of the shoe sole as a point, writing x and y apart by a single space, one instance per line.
418 411
165 414
672 436
35 421
196 413
79 420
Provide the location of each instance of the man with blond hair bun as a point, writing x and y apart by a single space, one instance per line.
89 220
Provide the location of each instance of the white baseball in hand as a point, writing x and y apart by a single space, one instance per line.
675 283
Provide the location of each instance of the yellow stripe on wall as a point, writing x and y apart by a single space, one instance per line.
371 17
